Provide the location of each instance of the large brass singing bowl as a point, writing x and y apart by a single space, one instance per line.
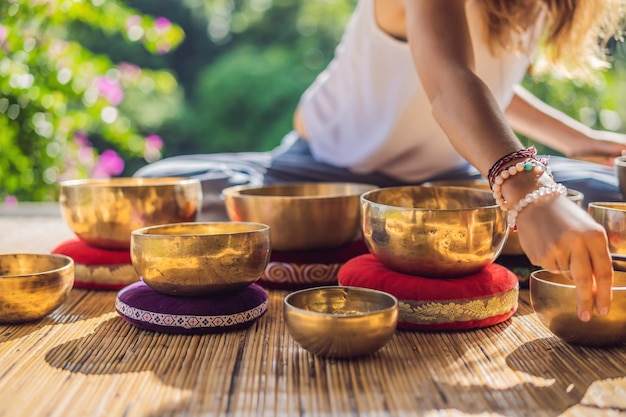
612 216
512 245
33 285
553 297
103 212
340 322
302 216
192 259
433 231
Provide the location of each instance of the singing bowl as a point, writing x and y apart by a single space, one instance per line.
33 285
553 298
194 259
340 322
620 170
302 216
612 216
512 245
103 212
433 231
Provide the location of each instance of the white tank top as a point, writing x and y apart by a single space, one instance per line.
367 111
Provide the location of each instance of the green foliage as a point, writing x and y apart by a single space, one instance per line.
53 89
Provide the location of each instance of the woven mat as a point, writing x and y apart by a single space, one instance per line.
84 360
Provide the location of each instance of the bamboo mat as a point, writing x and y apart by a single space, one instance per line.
84 360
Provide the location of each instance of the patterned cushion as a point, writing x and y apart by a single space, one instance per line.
301 269
97 268
479 300
148 309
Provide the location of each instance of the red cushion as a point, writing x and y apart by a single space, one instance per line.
479 300
302 269
97 268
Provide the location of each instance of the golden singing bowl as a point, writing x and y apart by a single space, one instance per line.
512 245
33 285
612 216
433 231
191 259
103 212
340 322
302 216
620 170
553 297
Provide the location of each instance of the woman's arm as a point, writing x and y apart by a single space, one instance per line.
537 120
554 232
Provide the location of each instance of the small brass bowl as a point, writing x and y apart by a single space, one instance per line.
553 298
620 170
192 259
340 322
512 245
433 231
302 216
612 216
103 212
33 285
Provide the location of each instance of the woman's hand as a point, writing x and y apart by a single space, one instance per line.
600 147
558 235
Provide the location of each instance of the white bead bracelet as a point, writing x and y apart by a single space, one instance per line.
531 197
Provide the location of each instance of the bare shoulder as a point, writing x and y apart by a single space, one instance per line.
391 17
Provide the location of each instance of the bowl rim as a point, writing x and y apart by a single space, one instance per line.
533 276
604 205
127 182
69 263
260 227
236 190
365 195
289 305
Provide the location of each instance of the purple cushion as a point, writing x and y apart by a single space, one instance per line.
148 309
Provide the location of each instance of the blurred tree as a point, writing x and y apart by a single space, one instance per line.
58 98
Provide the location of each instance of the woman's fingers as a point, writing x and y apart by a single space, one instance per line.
580 270
603 274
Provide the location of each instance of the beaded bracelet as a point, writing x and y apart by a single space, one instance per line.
507 172
497 167
531 197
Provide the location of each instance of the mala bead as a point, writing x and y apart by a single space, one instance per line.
512 170
545 191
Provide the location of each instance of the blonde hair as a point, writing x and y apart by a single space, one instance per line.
574 39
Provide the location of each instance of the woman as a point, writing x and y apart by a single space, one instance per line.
419 88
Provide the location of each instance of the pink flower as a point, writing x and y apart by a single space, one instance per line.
10 201
130 72
81 139
162 24
109 164
4 33
133 21
154 142
110 89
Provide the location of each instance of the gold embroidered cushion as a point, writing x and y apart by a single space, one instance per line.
97 268
479 300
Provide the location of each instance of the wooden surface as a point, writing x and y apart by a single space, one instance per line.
84 360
